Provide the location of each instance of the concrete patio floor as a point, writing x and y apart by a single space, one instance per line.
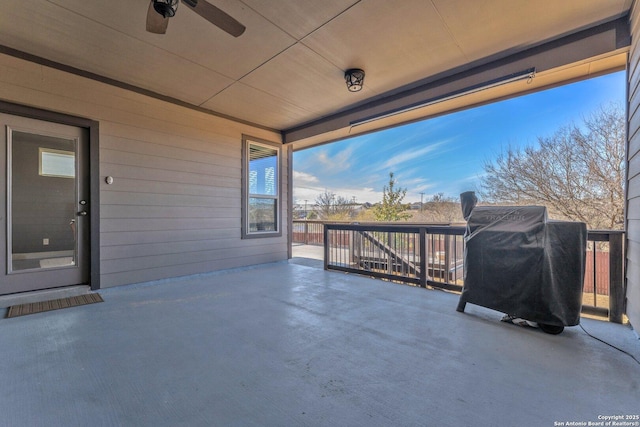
286 344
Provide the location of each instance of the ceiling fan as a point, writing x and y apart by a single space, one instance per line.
161 10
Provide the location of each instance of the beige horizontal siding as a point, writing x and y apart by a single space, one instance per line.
164 177
174 207
165 257
633 232
117 239
171 199
150 161
634 164
633 184
150 212
116 279
633 188
155 224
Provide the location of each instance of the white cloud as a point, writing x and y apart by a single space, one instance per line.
302 178
410 155
340 161
414 193
362 194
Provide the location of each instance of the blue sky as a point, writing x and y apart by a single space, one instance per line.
445 154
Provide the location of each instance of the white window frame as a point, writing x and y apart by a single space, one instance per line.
42 168
248 141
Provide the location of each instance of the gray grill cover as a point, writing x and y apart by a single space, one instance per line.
519 263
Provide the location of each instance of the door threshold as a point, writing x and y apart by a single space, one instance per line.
43 295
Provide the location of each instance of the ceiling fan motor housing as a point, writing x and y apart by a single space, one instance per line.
166 8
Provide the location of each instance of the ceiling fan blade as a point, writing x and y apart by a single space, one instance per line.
156 23
216 16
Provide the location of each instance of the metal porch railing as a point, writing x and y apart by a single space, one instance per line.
432 255
416 254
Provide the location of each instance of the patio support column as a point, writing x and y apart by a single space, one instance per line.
616 278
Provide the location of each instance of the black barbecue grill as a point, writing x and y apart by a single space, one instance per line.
520 263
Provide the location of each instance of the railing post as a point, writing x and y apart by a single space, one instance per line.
306 233
423 257
351 245
357 248
595 273
616 278
447 260
325 235
389 260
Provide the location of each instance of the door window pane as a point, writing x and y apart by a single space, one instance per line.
57 163
43 201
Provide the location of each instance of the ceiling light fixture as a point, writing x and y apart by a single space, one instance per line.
166 8
355 79
528 75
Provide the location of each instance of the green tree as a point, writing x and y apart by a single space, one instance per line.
391 208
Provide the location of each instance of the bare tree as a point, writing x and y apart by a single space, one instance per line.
578 172
440 208
328 206
324 204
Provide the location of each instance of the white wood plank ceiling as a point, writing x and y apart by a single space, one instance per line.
287 68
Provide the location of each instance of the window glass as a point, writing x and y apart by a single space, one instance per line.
263 162
261 203
57 163
262 215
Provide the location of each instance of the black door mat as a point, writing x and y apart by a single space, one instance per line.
54 304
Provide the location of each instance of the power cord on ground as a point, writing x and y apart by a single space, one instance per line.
611 345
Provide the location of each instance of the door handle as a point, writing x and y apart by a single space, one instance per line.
82 213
